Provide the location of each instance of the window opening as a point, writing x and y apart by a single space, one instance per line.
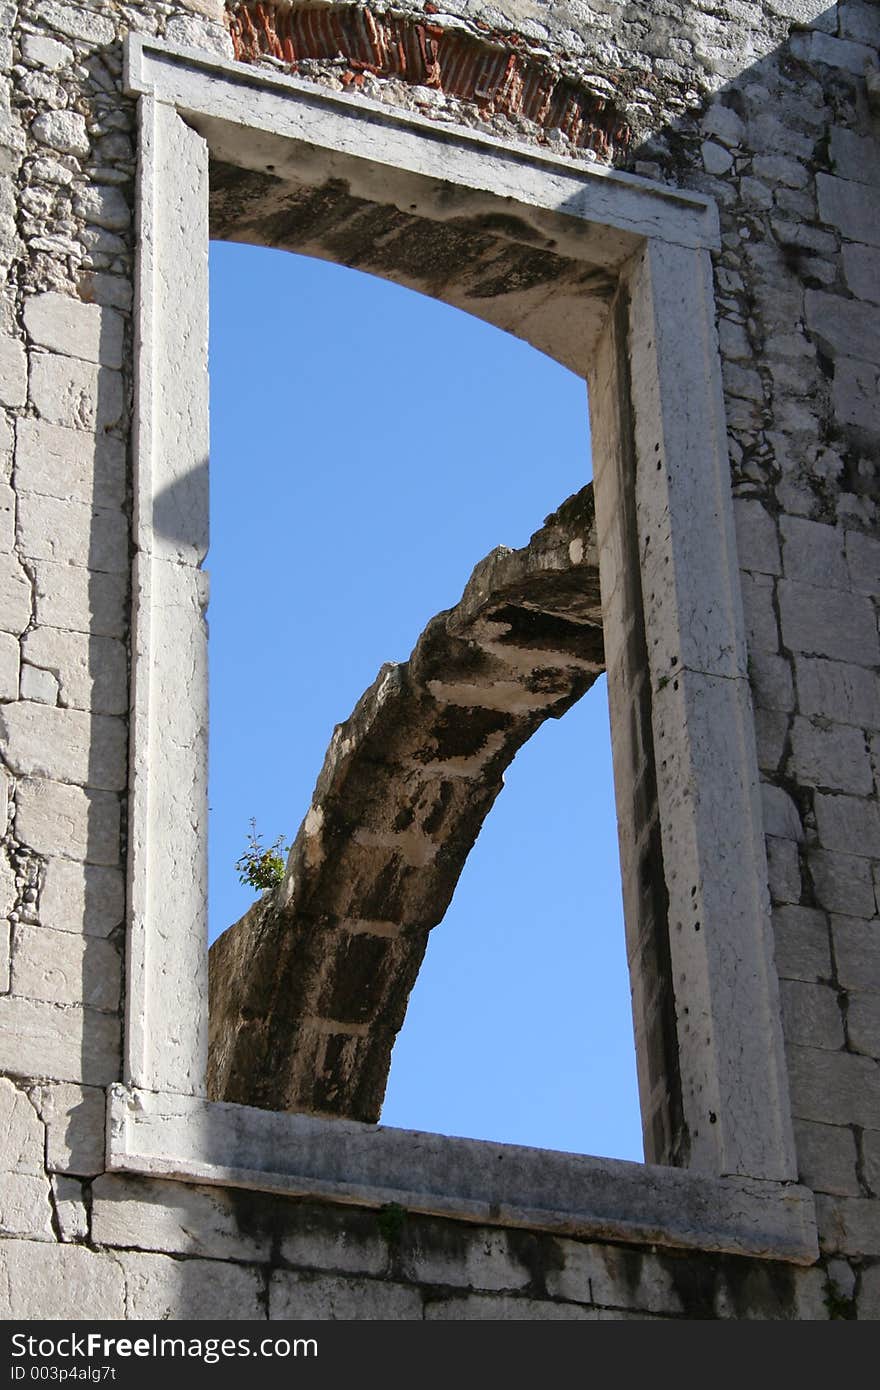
360 429
616 271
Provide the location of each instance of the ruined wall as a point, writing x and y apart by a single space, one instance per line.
772 109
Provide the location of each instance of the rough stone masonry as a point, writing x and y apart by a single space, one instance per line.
772 108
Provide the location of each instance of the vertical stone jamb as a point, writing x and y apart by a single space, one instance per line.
643 879
727 1004
166 1018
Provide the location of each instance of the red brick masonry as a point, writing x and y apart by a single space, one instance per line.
498 73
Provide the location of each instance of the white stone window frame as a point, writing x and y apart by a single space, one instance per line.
739 1193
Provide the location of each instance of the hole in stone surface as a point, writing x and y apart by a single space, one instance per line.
369 446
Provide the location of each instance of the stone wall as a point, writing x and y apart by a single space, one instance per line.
772 109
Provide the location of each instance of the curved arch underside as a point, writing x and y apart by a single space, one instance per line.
309 989
427 235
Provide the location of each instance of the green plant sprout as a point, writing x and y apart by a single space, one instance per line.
261 867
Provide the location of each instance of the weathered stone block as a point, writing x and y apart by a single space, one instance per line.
616 1278
827 1158
13 372
65 745
843 882
784 874
859 19
836 690
112 290
482 1260
871 1156
848 822
71 533
51 1282
70 1209
79 395
24 1206
757 541
778 171
74 23
854 392
854 156
8 887
5 954
818 47
841 1275
481 1307
74 1120
813 553
771 736
814 13
863 558
835 1088
7 440
44 52
868 1303
827 622
9 666
39 686
103 205
57 818
811 1014
762 630
72 1044
344 1243
324 1297
857 953
742 415
861 266
23 1135
716 159
81 897
742 382
16 599
782 299
68 326
735 345
844 326
81 600
174 1217
91 673
7 518
768 134
763 1296
863 1023
802 943
849 206
161 1288
70 464
771 681
833 756
848 1225
781 816
65 968
64 131
193 31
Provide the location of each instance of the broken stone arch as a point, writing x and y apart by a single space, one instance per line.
309 989
610 275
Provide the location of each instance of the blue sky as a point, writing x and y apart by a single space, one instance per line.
368 447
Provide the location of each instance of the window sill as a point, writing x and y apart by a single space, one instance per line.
190 1139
